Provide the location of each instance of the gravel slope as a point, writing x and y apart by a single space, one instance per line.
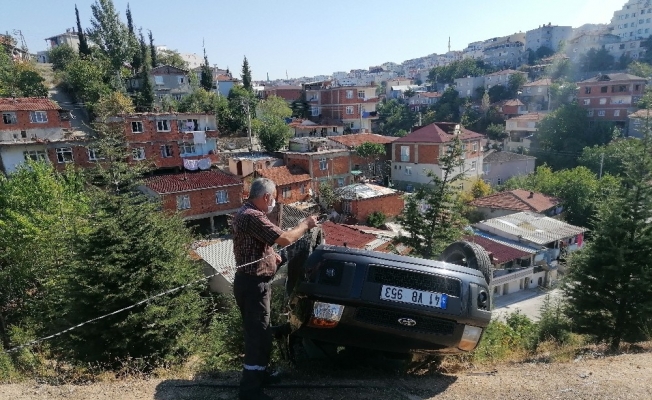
626 376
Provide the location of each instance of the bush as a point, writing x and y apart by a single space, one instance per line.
554 325
376 219
225 339
6 366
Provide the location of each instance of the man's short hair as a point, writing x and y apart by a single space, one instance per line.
260 187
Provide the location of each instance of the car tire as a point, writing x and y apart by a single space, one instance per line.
471 255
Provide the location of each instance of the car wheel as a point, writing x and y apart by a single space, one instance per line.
470 255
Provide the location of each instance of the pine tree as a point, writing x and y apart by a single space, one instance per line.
246 75
83 44
152 50
433 214
130 22
145 95
206 80
136 61
110 34
609 283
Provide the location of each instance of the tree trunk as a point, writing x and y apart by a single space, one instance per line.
618 327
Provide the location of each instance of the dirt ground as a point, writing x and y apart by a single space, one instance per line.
593 377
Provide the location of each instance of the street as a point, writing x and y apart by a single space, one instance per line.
529 302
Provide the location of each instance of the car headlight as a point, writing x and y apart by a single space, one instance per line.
470 338
325 315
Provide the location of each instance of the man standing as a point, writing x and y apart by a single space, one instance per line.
257 263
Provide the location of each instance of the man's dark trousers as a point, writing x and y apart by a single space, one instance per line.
253 296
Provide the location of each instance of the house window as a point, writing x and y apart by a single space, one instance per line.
340 182
94 154
9 118
539 89
322 164
221 197
166 151
334 129
349 110
186 148
158 79
64 155
181 79
163 125
38 117
604 89
35 155
286 192
475 146
136 127
587 102
361 94
616 113
303 188
314 111
474 165
349 94
408 170
587 90
601 113
637 87
603 101
500 181
183 202
589 113
138 153
405 153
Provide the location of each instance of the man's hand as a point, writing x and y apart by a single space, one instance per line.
278 258
311 222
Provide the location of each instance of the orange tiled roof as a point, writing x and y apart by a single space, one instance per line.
285 175
28 104
438 132
500 253
517 200
338 235
360 138
175 183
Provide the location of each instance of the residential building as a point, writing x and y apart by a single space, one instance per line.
69 38
468 87
359 200
499 78
330 166
197 195
550 36
474 50
353 106
508 52
396 82
499 166
520 130
633 20
224 84
35 128
422 100
288 93
536 94
397 91
511 108
168 81
293 184
243 165
579 45
379 166
418 153
518 200
639 122
307 128
611 97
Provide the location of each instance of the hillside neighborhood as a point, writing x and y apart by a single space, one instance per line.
520 144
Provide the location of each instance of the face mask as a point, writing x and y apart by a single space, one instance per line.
270 207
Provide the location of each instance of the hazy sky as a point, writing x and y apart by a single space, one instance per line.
309 37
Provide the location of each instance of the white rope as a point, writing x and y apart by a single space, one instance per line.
40 340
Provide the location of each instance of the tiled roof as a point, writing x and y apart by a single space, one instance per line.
513 103
167 69
285 175
338 235
27 104
493 156
530 227
644 113
428 94
529 117
540 82
190 181
437 132
517 200
360 138
614 78
501 253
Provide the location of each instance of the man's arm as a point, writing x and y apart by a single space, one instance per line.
294 234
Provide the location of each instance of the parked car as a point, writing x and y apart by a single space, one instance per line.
339 296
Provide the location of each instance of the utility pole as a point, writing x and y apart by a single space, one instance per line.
601 165
245 103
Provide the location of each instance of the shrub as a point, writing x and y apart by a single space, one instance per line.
376 219
6 367
225 339
553 325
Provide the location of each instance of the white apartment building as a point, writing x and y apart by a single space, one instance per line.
547 35
633 21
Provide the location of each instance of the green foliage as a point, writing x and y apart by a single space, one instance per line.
647 55
86 78
300 107
226 338
498 93
246 75
84 50
270 124
561 68
612 156
562 93
458 69
609 284
20 78
153 55
61 56
376 219
496 132
597 60
206 80
326 195
543 52
370 150
433 214
394 116
238 98
447 109
553 324
110 34
641 69
515 83
171 58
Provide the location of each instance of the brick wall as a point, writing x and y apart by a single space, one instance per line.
391 205
204 201
397 152
428 154
336 165
23 122
301 160
293 192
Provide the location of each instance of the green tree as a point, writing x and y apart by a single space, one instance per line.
206 80
172 58
496 132
110 34
376 219
371 152
246 75
300 107
543 52
270 124
200 101
561 68
326 195
432 215
609 158
61 56
562 92
153 57
458 69
596 60
498 93
144 97
609 284
394 116
515 84
20 78
647 55
84 50
641 69
447 109
86 79
238 99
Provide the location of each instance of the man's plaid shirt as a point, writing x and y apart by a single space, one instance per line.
253 234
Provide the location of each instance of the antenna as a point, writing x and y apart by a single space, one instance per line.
449 43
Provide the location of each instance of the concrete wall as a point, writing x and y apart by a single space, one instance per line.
503 171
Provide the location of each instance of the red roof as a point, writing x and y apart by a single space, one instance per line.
284 175
191 181
360 138
438 132
517 200
28 104
500 253
338 235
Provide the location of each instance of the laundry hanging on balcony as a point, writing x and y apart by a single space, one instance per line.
204 164
191 165
199 137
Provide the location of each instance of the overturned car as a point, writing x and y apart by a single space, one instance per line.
339 296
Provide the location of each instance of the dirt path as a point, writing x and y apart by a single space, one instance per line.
619 377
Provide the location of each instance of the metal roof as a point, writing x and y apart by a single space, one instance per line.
220 256
362 191
531 227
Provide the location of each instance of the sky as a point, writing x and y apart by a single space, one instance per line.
308 37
